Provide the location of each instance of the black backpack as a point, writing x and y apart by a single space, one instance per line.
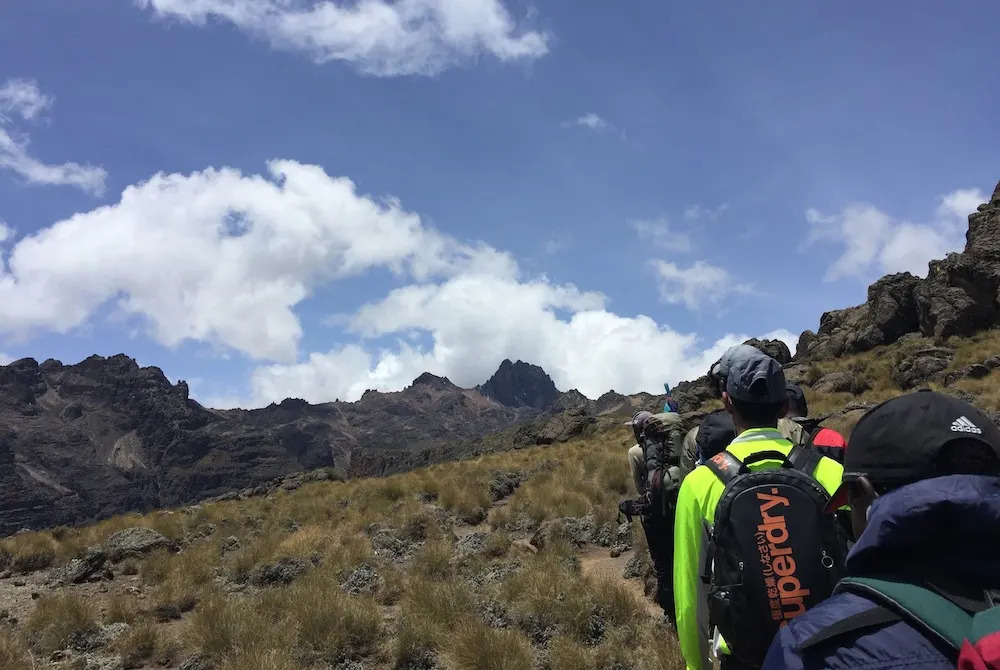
773 552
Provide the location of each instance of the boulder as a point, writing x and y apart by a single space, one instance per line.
921 367
136 542
362 581
578 531
835 382
283 571
776 349
892 307
992 363
80 570
976 371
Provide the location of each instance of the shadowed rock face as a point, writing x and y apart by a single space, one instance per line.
958 297
520 385
105 436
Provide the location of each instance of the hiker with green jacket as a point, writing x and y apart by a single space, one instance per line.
755 397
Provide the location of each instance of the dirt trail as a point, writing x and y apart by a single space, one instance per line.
597 561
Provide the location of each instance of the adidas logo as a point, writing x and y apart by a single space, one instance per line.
963 425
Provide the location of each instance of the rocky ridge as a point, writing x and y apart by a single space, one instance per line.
959 297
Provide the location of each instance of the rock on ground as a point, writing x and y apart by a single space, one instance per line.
284 571
363 581
136 542
80 570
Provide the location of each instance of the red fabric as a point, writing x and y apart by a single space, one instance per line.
985 655
828 437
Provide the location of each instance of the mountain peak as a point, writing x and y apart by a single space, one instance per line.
520 384
432 380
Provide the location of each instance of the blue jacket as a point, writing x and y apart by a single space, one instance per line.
943 526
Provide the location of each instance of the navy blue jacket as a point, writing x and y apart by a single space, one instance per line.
943 526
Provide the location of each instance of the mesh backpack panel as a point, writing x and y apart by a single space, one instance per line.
774 553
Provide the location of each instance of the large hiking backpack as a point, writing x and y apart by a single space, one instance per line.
970 629
774 553
826 441
662 435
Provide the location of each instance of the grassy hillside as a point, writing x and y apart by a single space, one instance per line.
512 560
433 568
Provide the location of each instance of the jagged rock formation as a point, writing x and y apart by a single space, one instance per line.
520 385
104 436
958 297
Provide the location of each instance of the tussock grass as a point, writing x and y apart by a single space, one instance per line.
224 629
28 552
14 653
434 560
548 597
474 646
331 625
59 620
121 609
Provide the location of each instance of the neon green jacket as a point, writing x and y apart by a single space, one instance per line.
700 493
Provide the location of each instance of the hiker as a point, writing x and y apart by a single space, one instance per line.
827 441
654 461
744 547
922 474
691 451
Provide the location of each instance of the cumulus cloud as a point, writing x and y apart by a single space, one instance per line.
379 37
477 321
659 232
699 284
200 256
873 242
225 258
22 99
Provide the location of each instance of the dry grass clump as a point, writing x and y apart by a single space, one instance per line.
333 626
121 609
58 621
226 628
433 560
14 653
475 646
28 552
548 597
144 643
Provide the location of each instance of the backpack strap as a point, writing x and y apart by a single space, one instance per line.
870 618
934 615
726 467
804 459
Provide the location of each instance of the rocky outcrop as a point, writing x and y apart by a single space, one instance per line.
959 296
776 349
106 436
520 384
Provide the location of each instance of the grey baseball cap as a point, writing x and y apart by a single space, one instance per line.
639 419
753 376
736 352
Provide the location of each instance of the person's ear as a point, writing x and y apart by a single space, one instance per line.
727 402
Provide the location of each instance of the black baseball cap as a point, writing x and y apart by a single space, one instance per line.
797 397
898 441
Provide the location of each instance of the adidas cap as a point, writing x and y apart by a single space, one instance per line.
897 442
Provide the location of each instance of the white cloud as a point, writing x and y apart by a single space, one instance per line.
659 233
22 98
477 321
696 285
5 359
379 37
592 121
200 256
6 232
874 242
223 258
699 213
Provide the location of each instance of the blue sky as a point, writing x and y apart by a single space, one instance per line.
613 193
